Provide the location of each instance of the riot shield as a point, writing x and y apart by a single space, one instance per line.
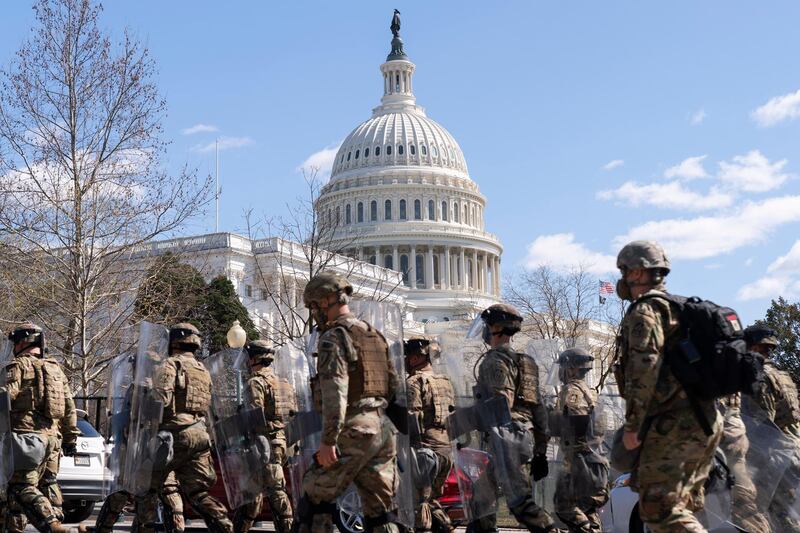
6 455
388 319
467 425
142 453
120 398
238 428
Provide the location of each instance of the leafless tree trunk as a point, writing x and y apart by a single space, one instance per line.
82 184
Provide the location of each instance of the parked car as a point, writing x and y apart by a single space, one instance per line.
81 477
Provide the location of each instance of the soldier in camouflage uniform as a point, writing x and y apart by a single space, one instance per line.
356 382
779 399
502 371
430 400
276 397
40 400
183 384
582 487
675 453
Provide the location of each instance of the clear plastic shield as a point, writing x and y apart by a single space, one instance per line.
6 455
388 319
238 429
120 398
472 461
147 408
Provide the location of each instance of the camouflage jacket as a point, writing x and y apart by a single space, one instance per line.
779 399
335 351
170 377
648 329
575 399
422 392
261 392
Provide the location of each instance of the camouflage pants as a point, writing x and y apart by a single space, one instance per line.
115 504
24 491
674 463
367 459
783 509
429 514
745 512
48 485
275 491
194 470
578 497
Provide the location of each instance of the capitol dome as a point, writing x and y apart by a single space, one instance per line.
401 197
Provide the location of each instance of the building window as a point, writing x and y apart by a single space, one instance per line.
360 212
372 260
455 211
404 267
464 214
373 211
397 83
424 149
377 151
264 294
444 211
431 210
436 279
347 214
434 151
248 291
389 150
399 149
388 261
348 156
412 149
387 210
417 210
338 216
330 218
366 152
341 159
420 269
402 209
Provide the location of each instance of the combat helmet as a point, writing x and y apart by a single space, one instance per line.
503 315
576 358
260 352
186 335
28 332
421 345
760 334
643 254
323 285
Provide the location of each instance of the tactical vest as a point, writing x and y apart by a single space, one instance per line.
527 381
26 400
442 398
192 386
368 371
281 401
787 406
52 384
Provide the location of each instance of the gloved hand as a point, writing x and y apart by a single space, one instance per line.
539 467
69 449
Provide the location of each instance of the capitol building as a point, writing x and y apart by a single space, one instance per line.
405 222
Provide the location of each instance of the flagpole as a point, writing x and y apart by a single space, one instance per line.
216 185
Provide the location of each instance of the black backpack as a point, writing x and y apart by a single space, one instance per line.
711 360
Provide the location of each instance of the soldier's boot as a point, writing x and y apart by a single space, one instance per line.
533 517
486 524
173 521
217 522
383 523
242 520
440 521
311 517
49 487
283 525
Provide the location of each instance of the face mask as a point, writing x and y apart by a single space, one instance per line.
562 375
624 290
486 334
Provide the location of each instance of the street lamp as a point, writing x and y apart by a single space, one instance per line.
237 336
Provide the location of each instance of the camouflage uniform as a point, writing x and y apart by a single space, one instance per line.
276 398
675 455
503 371
184 386
171 501
355 381
576 499
430 400
40 399
735 444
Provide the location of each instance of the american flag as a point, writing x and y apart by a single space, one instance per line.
605 288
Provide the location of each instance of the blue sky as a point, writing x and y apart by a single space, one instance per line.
584 123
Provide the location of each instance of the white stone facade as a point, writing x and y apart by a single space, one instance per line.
400 196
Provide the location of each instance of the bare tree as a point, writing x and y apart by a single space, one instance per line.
82 183
306 242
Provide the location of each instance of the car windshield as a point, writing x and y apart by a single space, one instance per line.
87 430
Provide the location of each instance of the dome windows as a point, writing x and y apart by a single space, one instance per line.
399 149
403 210
389 149
348 215
366 152
455 211
434 151
348 155
417 210
387 210
377 151
424 149
444 211
431 210
373 211
360 212
412 149
357 153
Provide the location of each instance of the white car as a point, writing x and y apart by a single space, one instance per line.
81 477
621 513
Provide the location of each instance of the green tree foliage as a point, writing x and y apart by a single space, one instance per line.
784 318
221 306
172 292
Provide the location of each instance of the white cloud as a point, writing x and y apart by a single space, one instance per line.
321 160
561 252
782 279
614 163
697 117
778 109
672 195
709 236
689 169
225 143
752 172
199 128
